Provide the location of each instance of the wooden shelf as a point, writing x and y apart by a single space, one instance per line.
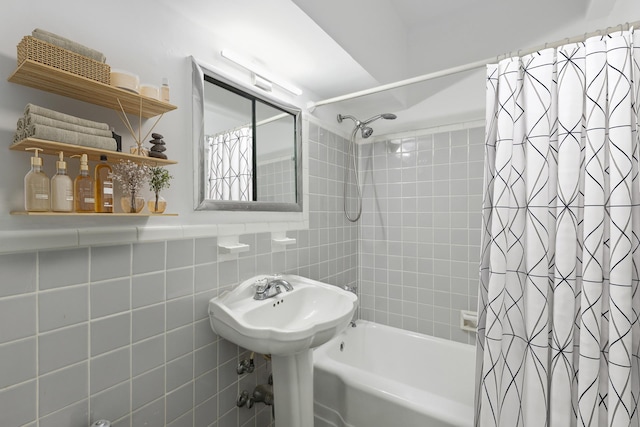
25 213
53 147
49 79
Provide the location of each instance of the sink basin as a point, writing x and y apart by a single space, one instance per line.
287 326
304 318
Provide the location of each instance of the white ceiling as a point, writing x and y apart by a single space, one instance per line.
334 47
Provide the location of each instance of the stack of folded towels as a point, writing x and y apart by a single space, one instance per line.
67 44
42 123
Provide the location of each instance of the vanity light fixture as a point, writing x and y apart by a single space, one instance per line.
261 82
260 78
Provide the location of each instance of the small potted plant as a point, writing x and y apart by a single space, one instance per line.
131 177
159 179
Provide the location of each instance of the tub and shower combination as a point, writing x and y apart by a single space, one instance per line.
379 376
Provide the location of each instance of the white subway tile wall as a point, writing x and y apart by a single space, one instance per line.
419 243
122 332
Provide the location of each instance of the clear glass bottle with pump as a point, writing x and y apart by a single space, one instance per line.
83 190
36 186
61 187
104 186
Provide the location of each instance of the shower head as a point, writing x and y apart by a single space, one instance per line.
386 116
365 130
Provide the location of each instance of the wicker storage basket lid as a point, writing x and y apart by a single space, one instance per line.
45 53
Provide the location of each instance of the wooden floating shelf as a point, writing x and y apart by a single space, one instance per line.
25 213
53 147
54 80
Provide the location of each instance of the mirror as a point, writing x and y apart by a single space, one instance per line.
247 146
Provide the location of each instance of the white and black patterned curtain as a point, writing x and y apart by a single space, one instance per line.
230 165
558 335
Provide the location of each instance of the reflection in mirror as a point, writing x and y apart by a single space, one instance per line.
246 146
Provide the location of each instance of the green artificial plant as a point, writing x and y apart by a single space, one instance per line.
159 179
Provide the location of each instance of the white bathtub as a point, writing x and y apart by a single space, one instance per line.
379 376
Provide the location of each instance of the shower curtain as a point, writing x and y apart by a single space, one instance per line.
230 165
558 335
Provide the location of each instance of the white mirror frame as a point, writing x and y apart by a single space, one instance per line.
199 69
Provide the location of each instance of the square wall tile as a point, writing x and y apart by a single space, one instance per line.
18 362
179 372
179 402
147 289
62 347
110 333
111 404
17 317
179 312
18 404
150 415
63 387
148 354
109 369
148 387
63 307
110 262
179 282
206 250
179 342
148 322
206 276
148 257
18 273
179 253
110 297
63 267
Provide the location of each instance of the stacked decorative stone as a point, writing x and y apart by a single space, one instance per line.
158 147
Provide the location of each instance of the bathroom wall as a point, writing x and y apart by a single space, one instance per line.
420 229
277 181
122 332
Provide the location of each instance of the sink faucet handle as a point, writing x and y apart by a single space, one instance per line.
261 284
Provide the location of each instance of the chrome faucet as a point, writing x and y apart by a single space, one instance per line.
270 287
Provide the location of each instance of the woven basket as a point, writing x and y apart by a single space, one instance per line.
57 57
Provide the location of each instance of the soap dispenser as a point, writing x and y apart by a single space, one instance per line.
36 186
104 186
61 187
83 188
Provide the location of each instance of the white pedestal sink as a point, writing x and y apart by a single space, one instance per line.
286 326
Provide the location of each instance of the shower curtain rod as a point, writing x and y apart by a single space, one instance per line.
467 67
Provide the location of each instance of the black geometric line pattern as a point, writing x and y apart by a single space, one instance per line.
230 165
559 306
